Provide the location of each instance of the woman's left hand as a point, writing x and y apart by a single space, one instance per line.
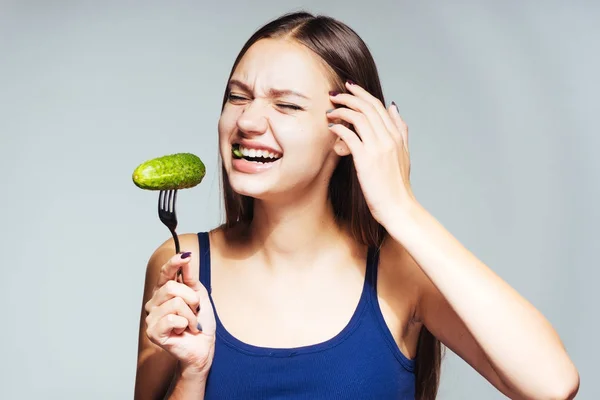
379 149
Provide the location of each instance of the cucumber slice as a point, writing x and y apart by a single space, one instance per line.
237 152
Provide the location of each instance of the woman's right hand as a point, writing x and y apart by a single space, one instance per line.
180 318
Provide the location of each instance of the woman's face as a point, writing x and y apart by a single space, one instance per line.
275 115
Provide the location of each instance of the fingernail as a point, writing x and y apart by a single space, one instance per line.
395 105
199 326
186 255
350 82
328 111
197 309
333 93
331 124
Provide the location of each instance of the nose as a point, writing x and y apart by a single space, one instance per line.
253 121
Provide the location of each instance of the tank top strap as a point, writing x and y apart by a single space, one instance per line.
204 246
372 263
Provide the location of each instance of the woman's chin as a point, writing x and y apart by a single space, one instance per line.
249 187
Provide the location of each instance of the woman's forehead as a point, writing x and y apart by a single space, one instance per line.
282 65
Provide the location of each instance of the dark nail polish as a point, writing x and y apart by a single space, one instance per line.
328 111
333 93
186 255
350 82
395 105
199 326
197 309
330 125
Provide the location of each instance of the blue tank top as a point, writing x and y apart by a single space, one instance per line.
361 362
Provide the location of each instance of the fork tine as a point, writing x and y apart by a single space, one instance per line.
174 200
166 213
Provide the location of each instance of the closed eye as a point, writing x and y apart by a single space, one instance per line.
290 106
233 97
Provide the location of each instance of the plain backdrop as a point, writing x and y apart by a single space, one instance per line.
501 99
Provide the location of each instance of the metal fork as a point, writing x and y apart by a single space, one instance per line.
167 215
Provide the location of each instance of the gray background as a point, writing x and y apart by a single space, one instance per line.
500 98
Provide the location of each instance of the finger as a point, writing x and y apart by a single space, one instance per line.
349 137
378 131
362 93
161 330
174 306
191 274
358 120
169 270
399 123
170 290
206 317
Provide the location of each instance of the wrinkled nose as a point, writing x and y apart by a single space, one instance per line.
253 121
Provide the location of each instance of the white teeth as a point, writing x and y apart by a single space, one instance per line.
262 153
257 153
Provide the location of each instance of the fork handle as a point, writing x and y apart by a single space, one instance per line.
177 251
176 239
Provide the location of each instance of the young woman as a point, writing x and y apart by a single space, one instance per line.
328 279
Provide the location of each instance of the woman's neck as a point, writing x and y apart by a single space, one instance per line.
295 233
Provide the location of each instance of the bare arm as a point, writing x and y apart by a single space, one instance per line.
528 357
187 385
156 368
480 317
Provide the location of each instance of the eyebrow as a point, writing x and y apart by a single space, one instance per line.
272 92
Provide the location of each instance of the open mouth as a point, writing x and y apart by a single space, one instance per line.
254 155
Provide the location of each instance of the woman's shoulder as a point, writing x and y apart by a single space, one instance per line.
188 241
222 239
218 236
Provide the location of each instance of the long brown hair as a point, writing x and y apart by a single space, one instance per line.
348 58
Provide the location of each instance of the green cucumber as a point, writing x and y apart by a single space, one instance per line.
175 171
237 152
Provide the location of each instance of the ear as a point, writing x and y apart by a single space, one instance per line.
341 148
